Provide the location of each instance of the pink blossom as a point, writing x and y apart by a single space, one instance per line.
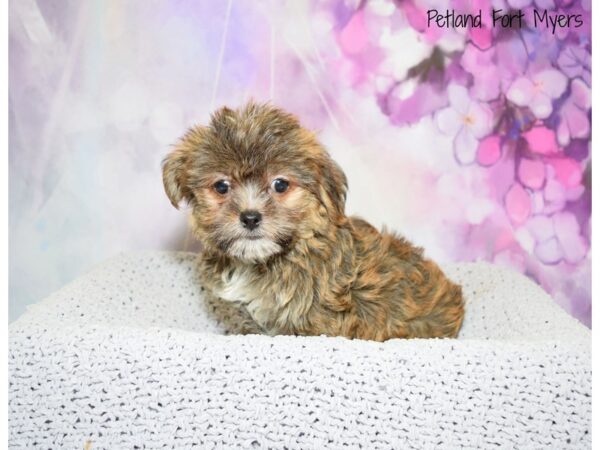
489 150
517 204
557 192
541 140
354 38
537 91
532 173
465 119
480 36
567 171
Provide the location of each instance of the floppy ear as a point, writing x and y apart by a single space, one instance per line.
174 169
176 166
334 185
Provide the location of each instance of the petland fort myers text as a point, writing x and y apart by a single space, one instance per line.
504 19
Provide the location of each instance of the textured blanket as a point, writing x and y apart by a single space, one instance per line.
131 355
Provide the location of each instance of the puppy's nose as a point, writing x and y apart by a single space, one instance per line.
250 219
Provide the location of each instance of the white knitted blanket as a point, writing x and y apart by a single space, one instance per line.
132 356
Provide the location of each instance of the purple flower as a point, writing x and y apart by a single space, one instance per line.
557 238
517 204
467 121
576 61
532 173
537 91
489 150
541 140
561 186
574 122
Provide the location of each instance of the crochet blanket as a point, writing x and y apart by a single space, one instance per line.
131 355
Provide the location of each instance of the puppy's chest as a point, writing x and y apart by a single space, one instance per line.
238 285
245 287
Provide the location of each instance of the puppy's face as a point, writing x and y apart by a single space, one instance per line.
257 181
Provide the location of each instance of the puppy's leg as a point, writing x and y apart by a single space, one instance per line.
247 324
231 316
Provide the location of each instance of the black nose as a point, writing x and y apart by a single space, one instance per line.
250 219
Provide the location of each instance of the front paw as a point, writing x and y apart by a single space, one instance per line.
247 325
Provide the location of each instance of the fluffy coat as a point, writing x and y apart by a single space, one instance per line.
307 268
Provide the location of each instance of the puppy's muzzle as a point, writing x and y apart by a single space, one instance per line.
250 219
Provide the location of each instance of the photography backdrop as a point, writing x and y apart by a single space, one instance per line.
474 143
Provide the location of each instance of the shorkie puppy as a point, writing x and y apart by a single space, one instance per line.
268 208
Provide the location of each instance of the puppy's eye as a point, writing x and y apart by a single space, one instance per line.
280 185
222 186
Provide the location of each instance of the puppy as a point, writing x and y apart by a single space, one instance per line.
268 208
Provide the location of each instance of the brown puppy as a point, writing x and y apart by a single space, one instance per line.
268 207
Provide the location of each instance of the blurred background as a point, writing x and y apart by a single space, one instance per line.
473 143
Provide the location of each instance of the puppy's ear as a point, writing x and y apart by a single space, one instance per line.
174 169
334 185
175 166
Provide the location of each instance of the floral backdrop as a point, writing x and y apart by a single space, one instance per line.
472 142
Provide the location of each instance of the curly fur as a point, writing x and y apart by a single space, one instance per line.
308 269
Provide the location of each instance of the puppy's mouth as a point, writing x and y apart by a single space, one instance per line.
226 244
252 237
255 247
